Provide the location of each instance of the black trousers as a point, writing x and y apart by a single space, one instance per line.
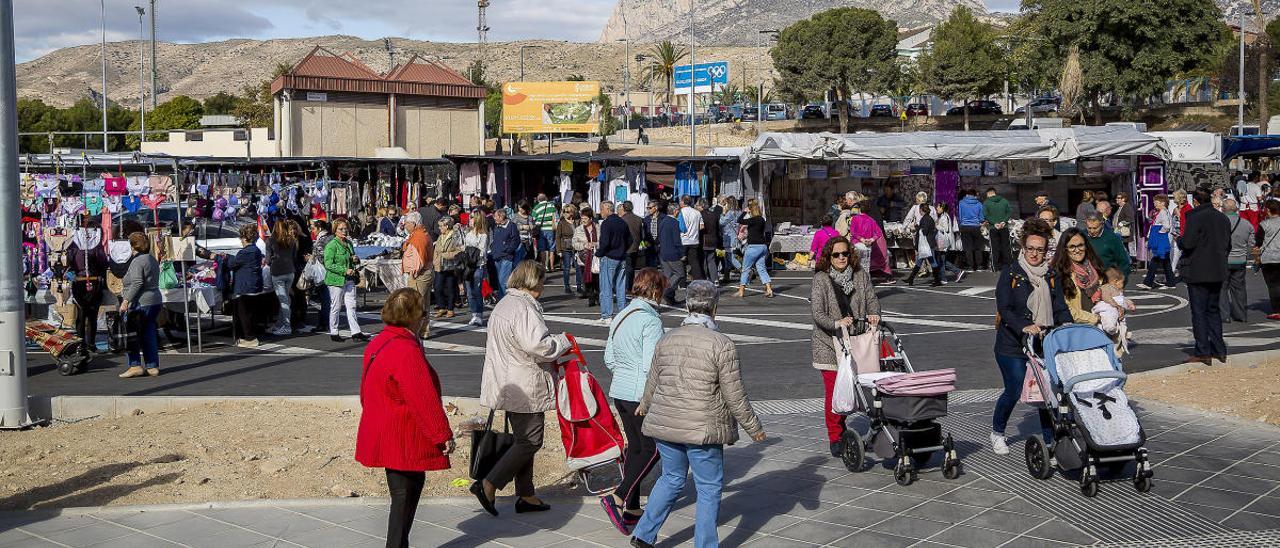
243 319
89 301
517 463
1271 274
1001 250
446 289
1234 297
1206 318
693 255
406 490
629 267
641 455
971 240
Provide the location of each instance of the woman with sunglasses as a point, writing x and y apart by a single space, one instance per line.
842 293
1080 272
1028 302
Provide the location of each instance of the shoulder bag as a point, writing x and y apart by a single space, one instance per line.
488 446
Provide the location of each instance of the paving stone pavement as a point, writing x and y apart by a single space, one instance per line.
1217 483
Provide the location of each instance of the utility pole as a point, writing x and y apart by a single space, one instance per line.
102 4
626 77
13 368
154 90
142 76
522 48
693 85
1240 106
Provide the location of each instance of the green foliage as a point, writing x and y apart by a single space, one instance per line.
965 62
660 65
1131 47
180 112
753 97
575 78
36 116
255 108
221 103
1032 64
493 111
846 49
728 95
476 73
608 124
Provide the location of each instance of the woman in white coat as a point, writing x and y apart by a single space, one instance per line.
519 380
946 241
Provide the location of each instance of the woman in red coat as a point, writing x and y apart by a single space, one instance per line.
403 427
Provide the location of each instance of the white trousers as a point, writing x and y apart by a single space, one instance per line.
339 298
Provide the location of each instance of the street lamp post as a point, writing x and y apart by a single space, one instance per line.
1240 99
522 48
102 5
693 84
142 76
153 56
626 79
13 368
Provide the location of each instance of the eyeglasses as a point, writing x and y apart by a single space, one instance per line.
1035 250
840 255
1075 247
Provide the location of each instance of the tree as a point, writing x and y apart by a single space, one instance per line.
34 115
663 57
1266 69
965 62
845 49
1130 48
753 96
221 103
256 108
476 73
727 95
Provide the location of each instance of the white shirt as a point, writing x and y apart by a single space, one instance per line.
692 226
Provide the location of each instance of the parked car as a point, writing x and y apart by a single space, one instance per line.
751 114
717 114
917 109
777 111
812 111
977 108
1041 105
881 111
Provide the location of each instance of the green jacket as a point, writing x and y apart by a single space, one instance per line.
339 257
1110 249
997 210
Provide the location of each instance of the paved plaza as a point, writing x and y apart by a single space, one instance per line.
1217 483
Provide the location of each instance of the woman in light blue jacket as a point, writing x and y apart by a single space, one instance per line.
628 352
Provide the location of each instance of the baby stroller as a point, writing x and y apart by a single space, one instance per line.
903 407
592 440
1082 385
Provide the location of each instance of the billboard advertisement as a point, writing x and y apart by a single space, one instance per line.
706 77
550 107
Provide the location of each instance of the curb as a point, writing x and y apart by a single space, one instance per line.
1247 359
78 408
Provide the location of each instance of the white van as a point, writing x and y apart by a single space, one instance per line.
1036 123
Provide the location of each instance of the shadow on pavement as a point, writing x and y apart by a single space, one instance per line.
69 493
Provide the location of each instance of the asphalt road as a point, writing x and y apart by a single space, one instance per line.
946 327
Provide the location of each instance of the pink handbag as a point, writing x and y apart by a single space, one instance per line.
865 349
1031 394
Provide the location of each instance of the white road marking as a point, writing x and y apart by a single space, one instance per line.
905 287
746 339
972 291
907 320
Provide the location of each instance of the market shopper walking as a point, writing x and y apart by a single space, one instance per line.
1205 245
340 277
841 295
996 211
416 257
1235 299
544 220
927 248
586 237
628 353
246 281
756 252
476 246
693 403
321 237
403 428
1160 244
615 240
711 246
1268 242
671 252
518 378
971 240
690 221
729 239
1029 301
635 227
503 247
564 246
140 303
1124 222
282 251
447 261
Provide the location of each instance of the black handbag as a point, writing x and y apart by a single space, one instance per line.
488 446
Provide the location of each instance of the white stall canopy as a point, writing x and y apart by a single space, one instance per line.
1192 147
1054 145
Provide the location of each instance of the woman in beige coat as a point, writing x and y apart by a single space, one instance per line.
519 380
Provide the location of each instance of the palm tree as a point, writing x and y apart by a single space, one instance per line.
665 56
727 95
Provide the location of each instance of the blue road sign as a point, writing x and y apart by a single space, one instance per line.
708 77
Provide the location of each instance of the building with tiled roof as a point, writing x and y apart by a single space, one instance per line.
332 104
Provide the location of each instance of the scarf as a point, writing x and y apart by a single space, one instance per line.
700 319
1040 302
842 280
1086 279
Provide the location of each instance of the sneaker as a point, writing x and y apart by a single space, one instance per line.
282 331
998 444
1168 287
614 513
959 276
1273 316
247 343
1143 286
362 337
606 321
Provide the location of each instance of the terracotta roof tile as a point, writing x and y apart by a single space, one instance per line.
417 69
324 63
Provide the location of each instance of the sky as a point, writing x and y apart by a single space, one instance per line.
42 26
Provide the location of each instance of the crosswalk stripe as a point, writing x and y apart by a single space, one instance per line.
751 339
809 327
976 291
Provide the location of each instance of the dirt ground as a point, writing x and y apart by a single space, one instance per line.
220 452
1251 393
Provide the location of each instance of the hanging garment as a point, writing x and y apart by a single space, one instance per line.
115 186
93 202
46 186
593 194
338 200
469 179
619 191
566 189
639 200
491 184
593 169
687 180
131 203
114 205
138 185
566 166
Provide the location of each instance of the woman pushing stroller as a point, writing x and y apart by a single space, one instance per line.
1029 301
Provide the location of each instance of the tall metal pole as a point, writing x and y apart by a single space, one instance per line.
142 76
154 89
102 4
1240 107
693 84
13 366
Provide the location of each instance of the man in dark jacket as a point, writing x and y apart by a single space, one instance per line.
1109 247
1205 244
971 219
635 226
671 252
502 249
431 214
649 236
710 238
615 240
996 211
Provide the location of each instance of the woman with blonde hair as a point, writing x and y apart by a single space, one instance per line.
476 237
756 250
447 259
282 251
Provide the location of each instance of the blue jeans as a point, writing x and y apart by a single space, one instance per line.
522 251
755 256
1014 371
475 297
568 262
282 285
505 266
707 464
613 287
147 338
322 297
547 241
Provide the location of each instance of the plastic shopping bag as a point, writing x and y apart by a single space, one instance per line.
923 251
1031 393
843 400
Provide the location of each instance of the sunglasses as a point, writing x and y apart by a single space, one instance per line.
840 255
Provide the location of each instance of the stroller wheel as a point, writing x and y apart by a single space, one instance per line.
853 454
903 473
1089 486
1038 458
1142 484
951 469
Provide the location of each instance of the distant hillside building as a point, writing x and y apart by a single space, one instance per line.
334 105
